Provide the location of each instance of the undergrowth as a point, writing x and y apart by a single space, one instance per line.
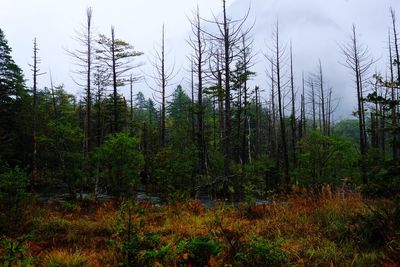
300 229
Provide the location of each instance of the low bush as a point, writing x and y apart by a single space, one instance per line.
260 252
15 252
199 250
379 228
13 200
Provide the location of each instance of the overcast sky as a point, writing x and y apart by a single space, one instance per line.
314 26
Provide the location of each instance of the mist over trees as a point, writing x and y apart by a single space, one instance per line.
185 134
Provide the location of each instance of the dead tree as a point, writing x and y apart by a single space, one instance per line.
322 98
101 81
312 99
279 53
162 78
131 98
293 101
192 104
357 59
53 97
258 105
117 55
228 37
274 138
302 126
396 43
217 92
394 104
199 60
245 63
83 58
35 73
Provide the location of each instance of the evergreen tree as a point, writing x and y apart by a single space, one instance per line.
12 96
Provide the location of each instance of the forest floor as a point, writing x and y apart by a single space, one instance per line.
300 229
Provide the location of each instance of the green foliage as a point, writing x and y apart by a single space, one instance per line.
260 252
15 109
62 151
173 169
256 178
13 198
70 207
15 253
199 250
325 159
164 254
379 228
119 162
139 248
384 175
333 223
348 129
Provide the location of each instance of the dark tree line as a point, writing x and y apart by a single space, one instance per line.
227 136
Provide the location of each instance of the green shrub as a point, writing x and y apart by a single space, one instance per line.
325 159
332 222
164 255
143 249
138 248
14 253
13 198
70 207
120 163
199 250
379 228
260 252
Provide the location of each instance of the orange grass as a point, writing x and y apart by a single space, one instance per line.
306 227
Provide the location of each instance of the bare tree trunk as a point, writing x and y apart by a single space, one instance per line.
257 142
302 128
114 79
322 98
215 122
88 82
314 115
293 115
395 127
192 113
359 62
227 115
382 129
53 97
163 88
240 154
83 60
220 103
280 109
275 144
396 43
131 99
329 114
35 70
200 115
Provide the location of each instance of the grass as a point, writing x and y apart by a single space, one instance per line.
299 230
63 258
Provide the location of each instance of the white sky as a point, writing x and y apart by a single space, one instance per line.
315 27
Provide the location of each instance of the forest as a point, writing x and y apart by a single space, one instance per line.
220 173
